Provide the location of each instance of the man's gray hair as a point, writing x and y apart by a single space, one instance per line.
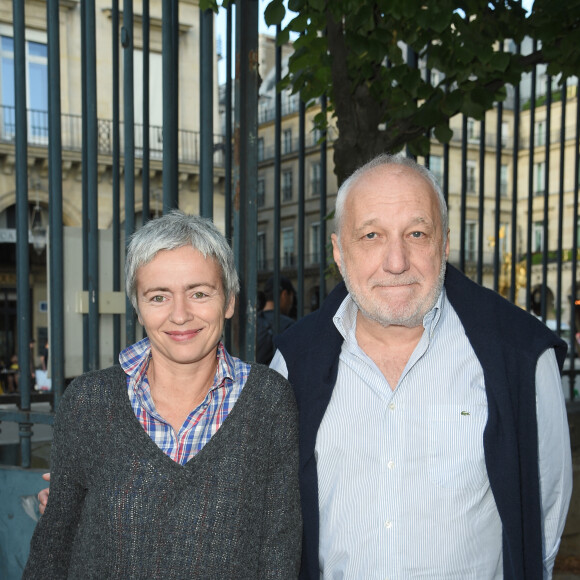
380 161
175 230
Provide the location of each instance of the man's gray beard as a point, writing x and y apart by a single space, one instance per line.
407 319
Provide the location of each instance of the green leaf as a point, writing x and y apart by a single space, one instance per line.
451 103
296 5
472 109
274 13
319 5
299 24
420 145
483 97
283 38
500 60
439 20
209 5
443 133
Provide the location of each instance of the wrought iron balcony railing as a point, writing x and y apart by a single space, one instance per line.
71 132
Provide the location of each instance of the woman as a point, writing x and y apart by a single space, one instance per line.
182 462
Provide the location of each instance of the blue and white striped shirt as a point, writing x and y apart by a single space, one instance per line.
403 487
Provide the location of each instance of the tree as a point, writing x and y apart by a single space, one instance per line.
363 55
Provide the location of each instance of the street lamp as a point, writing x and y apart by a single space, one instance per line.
37 229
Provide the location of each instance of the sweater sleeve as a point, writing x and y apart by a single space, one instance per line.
51 544
282 520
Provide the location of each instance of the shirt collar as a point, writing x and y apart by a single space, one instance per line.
345 317
134 360
225 367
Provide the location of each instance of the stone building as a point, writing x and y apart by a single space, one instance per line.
71 71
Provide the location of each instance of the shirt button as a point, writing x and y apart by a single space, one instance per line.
391 464
388 524
392 406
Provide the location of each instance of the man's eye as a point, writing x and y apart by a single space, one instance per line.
157 299
199 295
417 234
371 236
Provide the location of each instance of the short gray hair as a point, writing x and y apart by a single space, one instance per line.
172 231
379 161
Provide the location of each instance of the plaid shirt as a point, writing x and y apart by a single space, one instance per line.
203 422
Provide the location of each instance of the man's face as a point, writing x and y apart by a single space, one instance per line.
286 301
392 252
182 305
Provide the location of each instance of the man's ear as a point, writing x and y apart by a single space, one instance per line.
336 252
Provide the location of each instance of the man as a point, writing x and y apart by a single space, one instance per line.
433 432
265 319
182 462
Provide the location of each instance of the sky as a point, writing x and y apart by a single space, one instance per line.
220 32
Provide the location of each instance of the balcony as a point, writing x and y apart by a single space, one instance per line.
553 257
289 262
72 137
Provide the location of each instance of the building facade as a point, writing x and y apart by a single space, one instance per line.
509 180
147 39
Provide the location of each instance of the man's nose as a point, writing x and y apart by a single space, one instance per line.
395 259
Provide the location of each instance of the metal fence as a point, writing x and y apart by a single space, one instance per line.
238 152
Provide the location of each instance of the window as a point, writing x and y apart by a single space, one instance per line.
315 243
540 133
36 86
289 102
287 247
470 241
316 134
315 179
263 111
539 177
471 176
436 167
504 134
261 193
471 131
538 237
503 181
262 251
287 141
287 185
155 102
542 85
261 149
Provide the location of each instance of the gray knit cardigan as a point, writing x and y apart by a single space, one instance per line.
120 508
